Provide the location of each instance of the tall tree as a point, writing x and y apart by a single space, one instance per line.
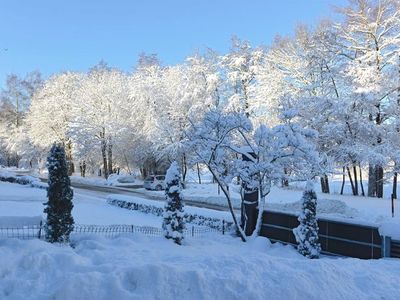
369 38
51 113
100 115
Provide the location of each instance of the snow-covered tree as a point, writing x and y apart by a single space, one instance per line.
369 39
14 103
51 113
240 68
305 76
173 222
211 140
221 139
100 115
59 223
271 152
307 232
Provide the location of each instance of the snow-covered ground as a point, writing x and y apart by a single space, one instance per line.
89 207
121 180
219 267
365 210
140 267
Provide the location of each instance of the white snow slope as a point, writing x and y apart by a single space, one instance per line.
218 267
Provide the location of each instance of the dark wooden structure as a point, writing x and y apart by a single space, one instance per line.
336 238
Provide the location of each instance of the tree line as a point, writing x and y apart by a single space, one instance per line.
338 78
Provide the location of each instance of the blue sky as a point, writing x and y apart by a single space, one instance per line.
52 36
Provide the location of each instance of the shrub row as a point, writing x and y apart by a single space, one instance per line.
197 219
24 180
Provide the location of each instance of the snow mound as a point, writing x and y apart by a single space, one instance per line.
155 268
113 180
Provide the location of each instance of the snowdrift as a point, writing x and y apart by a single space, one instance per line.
155 268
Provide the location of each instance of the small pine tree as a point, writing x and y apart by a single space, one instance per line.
307 232
59 206
173 223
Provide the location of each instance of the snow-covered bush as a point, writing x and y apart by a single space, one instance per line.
174 222
60 222
307 232
156 208
23 180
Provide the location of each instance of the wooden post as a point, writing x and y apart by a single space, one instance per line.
386 245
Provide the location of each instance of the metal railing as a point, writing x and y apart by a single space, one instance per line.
38 231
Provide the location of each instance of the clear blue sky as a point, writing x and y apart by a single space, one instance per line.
52 36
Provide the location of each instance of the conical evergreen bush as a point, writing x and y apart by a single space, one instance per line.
60 222
173 222
307 232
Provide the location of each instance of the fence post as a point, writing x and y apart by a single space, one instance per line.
223 226
40 230
386 245
132 228
192 231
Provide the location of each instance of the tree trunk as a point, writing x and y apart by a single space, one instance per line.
371 181
324 184
361 181
379 181
110 158
82 167
143 172
394 190
351 181
285 182
184 167
328 190
69 158
198 172
343 181
355 180
104 153
237 177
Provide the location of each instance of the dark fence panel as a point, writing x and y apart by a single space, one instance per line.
337 238
395 249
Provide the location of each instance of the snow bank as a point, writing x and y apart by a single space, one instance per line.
326 208
12 177
216 268
122 180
